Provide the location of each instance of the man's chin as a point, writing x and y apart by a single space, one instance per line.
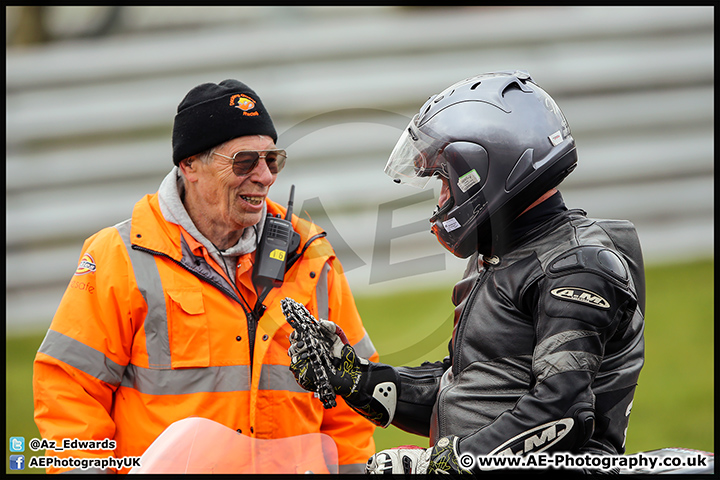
247 220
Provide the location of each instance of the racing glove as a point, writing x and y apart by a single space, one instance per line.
299 353
369 388
441 458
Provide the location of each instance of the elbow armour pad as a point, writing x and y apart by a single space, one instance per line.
376 400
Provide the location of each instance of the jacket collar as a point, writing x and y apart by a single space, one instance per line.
149 229
528 225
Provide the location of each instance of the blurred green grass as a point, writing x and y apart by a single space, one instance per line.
674 401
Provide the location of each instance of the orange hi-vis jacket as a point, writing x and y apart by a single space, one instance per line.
150 331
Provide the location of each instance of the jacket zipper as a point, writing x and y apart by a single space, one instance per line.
458 344
462 323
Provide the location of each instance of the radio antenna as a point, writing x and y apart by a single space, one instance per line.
288 215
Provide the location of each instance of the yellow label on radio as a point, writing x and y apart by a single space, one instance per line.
277 254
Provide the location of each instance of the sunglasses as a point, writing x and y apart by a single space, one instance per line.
245 161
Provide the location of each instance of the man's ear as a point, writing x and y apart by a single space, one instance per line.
189 168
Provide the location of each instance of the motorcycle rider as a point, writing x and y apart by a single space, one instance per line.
547 343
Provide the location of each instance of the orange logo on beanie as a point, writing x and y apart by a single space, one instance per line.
242 101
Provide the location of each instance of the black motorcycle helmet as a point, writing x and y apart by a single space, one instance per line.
499 141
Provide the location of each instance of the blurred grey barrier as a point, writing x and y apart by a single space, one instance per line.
88 124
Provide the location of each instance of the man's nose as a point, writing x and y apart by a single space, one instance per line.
262 174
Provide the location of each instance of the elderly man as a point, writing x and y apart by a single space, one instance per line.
166 316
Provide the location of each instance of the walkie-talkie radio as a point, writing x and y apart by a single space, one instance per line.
277 242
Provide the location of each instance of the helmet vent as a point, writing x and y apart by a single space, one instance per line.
511 86
475 86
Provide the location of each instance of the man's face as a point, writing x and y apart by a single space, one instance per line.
444 191
229 201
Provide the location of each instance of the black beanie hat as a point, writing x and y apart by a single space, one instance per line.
212 114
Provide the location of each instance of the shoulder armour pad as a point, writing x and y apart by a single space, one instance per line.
594 258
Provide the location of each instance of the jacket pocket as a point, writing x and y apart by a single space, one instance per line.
189 336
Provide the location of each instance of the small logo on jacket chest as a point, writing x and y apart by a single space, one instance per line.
580 295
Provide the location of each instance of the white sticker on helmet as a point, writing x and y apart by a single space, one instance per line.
468 180
556 138
451 224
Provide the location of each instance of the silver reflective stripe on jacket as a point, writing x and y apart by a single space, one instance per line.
80 356
148 281
364 348
232 378
321 293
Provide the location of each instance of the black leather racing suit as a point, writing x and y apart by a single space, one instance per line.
547 345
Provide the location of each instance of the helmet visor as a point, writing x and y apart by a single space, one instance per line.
415 158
